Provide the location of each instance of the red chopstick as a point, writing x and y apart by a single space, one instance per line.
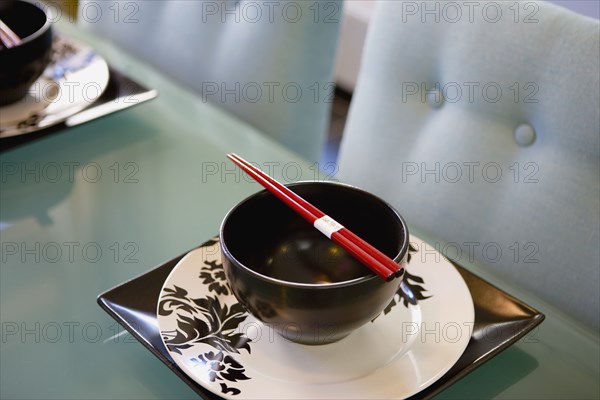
381 264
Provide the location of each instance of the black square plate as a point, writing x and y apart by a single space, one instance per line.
500 320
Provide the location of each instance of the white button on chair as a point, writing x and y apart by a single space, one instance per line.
524 135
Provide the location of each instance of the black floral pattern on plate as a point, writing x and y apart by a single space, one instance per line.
213 275
410 290
31 121
222 367
203 320
67 57
61 49
209 321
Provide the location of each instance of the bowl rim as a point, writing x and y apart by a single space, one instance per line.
39 32
400 256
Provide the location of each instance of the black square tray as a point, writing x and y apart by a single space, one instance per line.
500 321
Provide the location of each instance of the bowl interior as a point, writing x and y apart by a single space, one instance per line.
23 18
266 236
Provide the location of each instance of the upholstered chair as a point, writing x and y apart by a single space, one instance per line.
480 123
269 63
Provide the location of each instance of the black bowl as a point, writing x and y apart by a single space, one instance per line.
297 281
21 65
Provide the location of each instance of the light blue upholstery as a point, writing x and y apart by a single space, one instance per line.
438 158
270 63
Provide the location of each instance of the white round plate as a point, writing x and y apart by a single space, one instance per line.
75 78
419 336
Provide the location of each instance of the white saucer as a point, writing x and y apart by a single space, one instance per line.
75 78
221 347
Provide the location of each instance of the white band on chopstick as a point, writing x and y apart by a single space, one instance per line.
327 225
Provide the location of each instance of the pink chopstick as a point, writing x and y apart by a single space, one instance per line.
7 37
378 262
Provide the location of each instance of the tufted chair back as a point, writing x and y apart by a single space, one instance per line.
482 126
269 63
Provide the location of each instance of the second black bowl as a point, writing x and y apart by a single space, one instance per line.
21 65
